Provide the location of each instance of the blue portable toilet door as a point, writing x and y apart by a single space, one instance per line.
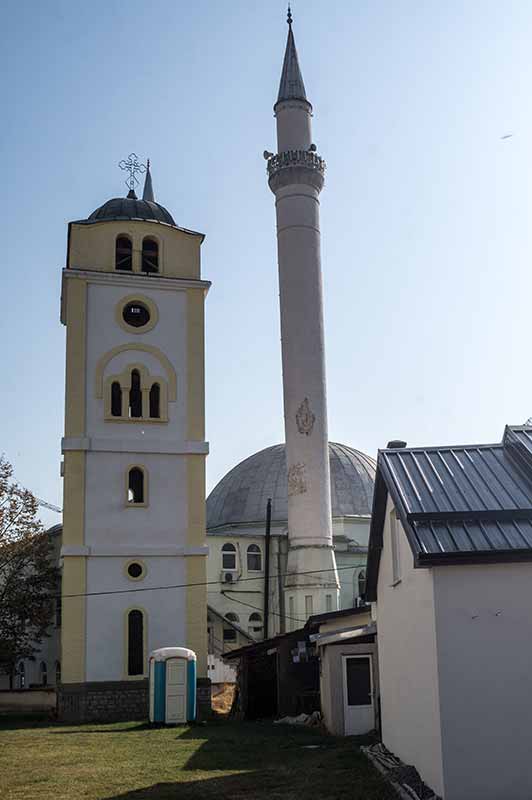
176 691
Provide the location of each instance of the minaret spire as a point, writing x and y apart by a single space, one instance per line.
147 194
291 86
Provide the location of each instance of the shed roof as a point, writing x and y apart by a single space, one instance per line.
469 503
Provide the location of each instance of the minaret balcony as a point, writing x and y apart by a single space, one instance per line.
295 166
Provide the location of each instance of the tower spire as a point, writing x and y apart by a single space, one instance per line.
291 86
147 194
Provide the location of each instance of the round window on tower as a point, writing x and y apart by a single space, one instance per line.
136 314
135 570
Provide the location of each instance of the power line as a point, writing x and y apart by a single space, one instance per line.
256 608
191 585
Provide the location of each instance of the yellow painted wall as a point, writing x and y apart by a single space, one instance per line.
197 611
76 313
74 582
196 364
92 247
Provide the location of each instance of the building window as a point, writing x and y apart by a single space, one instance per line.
135 570
150 255
255 623
124 254
135 643
362 585
229 634
229 556
328 602
135 395
308 605
136 314
44 673
22 675
396 553
135 491
155 401
232 617
254 558
291 614
57 673
116 399
58 608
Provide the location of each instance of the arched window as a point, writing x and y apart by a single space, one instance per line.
362 584
255 623
135 491
44 673
135 395
150 255
135 642
254 558
22 675
232 617
116 399
124 254
228 556
57 673
155 401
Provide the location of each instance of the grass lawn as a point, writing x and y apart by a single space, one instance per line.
131 761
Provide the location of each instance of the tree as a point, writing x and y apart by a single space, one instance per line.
29 578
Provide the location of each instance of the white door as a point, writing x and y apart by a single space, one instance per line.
176 690
359 713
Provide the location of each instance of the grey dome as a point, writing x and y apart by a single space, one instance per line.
241 496
132 208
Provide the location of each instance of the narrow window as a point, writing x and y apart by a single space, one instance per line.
308 605
396 555
58 609
135 643
135 492
150 256
328 602
291 614
116 399
255 623
229 634
155 401
44 674
57 673
228 556
124 254
362 585
22 675
254 558
135 395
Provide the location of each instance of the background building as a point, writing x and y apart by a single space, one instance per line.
236 522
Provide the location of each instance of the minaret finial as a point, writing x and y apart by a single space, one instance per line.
289 16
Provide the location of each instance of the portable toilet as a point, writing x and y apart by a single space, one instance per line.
172 674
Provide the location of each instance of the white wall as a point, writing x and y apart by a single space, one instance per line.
484 634
165 615
408 667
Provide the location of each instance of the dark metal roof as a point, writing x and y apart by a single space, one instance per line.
291 86
470 503
319 619
131 208
241 496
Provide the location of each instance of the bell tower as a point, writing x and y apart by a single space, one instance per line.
134 453
295 176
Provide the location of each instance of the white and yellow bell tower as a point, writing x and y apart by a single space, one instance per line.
134 454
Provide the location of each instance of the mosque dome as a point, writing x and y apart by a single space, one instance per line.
132 208
241 496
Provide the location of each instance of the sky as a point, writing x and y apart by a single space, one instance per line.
425 215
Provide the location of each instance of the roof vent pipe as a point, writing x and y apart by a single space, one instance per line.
396 444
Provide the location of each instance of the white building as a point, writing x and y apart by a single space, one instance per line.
236 523
449 571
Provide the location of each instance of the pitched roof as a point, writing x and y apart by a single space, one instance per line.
464 504
291 86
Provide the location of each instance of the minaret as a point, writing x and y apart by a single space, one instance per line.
295 176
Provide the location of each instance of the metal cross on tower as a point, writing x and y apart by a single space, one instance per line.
132 165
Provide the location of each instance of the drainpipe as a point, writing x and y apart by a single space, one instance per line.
267 567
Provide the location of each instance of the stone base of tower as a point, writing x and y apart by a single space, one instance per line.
311 583
103 701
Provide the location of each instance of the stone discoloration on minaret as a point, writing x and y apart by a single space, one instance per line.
296 176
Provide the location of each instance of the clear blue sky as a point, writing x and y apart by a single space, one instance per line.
426 213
